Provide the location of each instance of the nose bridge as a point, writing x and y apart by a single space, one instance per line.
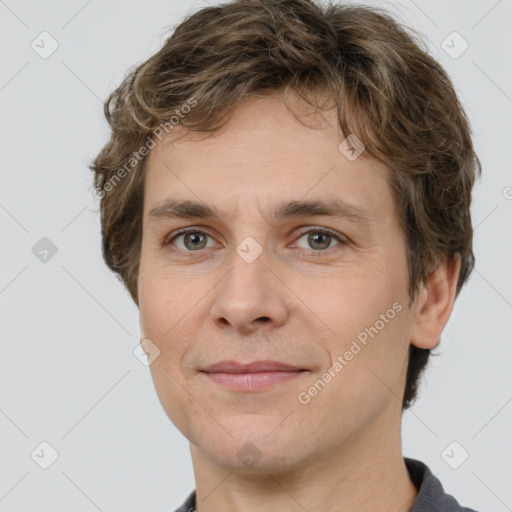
248 292
247 280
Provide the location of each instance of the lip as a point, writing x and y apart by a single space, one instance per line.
254 367
251 376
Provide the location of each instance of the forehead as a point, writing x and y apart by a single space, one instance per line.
263 157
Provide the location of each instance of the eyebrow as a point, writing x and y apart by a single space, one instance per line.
336 208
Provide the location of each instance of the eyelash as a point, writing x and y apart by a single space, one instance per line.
324 231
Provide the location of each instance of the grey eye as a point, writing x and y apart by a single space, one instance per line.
318 240
192 241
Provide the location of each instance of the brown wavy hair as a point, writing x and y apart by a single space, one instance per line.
387 89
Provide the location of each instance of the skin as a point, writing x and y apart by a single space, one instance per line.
297 302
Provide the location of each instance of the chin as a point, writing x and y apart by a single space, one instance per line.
267 451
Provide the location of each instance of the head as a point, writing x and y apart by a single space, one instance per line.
242 111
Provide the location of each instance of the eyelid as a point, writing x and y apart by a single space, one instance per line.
168 239
342 239
318 229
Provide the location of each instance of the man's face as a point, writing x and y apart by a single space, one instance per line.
304 300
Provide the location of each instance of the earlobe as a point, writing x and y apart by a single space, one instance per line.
435 303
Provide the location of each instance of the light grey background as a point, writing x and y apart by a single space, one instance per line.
68 329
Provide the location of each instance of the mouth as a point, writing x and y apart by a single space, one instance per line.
252 376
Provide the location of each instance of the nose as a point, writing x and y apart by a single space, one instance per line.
249 297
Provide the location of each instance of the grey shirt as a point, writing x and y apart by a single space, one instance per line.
431 496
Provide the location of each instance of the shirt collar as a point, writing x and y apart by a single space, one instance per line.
431 495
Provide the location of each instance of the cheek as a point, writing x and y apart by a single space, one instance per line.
363 379
366 312
162 310
179 405
353 299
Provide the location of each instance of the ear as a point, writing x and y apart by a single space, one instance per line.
434 304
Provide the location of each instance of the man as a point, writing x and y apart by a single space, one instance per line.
286 196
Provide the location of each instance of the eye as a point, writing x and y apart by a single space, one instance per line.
320 239
192 240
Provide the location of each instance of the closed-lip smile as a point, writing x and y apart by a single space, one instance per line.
251 376
254 367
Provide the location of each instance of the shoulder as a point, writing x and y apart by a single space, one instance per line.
431 494
189 505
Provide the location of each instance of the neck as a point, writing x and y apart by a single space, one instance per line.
366 472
